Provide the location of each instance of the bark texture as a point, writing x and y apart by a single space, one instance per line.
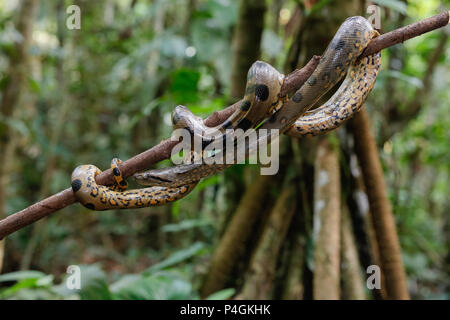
380 207
352 280
366 241
316 32
246 43
259 280
233 243
327 214
293 284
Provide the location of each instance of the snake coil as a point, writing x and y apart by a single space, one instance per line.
262 101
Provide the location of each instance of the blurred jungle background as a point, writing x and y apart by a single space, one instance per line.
70 97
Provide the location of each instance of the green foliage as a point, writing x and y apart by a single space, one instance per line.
416 158
177 257
184 86
158 282
222 294
396 5
109 91
185 225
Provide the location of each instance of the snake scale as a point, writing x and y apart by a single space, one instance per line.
262 103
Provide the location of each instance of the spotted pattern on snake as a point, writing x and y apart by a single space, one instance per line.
261 99
98 197
340 56
170 184
340 107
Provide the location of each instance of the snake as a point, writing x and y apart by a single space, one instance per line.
263 87
262 106
261 99
98 197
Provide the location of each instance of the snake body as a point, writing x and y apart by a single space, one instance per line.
344 104
97 197
262 100
263 87
339 58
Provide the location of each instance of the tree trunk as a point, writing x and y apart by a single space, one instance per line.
358 204
293 286
352 280
246 43
232 245
17 72
259 280
293 280
327 207
315 30
380 207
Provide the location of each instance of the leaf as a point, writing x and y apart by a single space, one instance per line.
177 257
185 225
16 124
124 282
167 286
222 294
34 85
210 181
93 284
21 275
208 107
45 281
27 281
184 85
396 5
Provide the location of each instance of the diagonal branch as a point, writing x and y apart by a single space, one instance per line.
162 151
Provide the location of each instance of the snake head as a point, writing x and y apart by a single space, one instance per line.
168 177
153 178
